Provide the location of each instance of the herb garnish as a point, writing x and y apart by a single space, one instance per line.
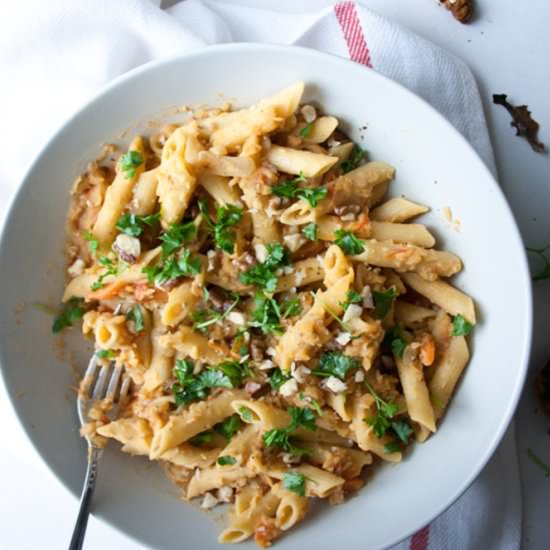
202 438
356 157
395 340
461 327
280 437
246 414
306 131
226 460
263 274
545 272
74 310
183 265
105 353
93 243
352 297
383 301
229 427
205 317
290 190
111 269
295 482
385 411
310 231
135 314
129 162
134 224
175 236
334 363
348 242
277 379
226 216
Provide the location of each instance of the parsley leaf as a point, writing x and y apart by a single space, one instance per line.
395 340
74 310
385 411
461 327
93 243
313 402
348 242
129 162
111 270
175 236
246 414
290 308
135 314
352 297
173 267
301 417
105 353
228 428
392 447
212 378
263 274
383 301
277 379
266 314
226 216
356 157
402 430
205 317
134 225
334 363
295 482
306 131
202 438
226 460
289 189
310 231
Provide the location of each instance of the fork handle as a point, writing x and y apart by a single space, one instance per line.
86 498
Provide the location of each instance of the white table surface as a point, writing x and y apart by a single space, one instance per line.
507 46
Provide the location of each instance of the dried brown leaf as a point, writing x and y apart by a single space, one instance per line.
526 126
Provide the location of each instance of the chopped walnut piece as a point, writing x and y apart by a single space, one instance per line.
462 10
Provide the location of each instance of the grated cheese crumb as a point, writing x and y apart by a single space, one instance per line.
335 385
266 364
299 373
353 311
343 338
225 493
209 501
237 318
261 252
290 387
360 376
271 351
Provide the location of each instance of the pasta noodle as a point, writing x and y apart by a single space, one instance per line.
283 326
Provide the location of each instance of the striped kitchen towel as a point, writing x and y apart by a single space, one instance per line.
55 59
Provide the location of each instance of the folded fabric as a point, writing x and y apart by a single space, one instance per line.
55 59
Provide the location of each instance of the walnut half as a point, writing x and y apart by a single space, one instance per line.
462 10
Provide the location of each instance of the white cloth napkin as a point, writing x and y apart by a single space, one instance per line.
54 55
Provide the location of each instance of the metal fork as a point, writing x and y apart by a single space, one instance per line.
99 383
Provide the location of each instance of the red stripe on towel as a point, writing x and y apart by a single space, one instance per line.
419 541
353 33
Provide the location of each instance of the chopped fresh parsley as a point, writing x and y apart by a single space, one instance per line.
129 162
277 378
392 447
352 297
111 269
348 242
73 310
402 430
93 243
544 467
280 437
306 131
205 317
228 428
461 327
183 265
385 411
263 274
226 216
295 482
334 363
395 340
175 236
134 225
105 353
193 388
226 460
289 189
135 314
266 314
202 438
290 308
544 273
383 301
310 231
355 159
246 414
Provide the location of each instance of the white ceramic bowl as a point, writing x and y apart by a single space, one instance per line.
434 165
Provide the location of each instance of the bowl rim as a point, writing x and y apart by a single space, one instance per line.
316 56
